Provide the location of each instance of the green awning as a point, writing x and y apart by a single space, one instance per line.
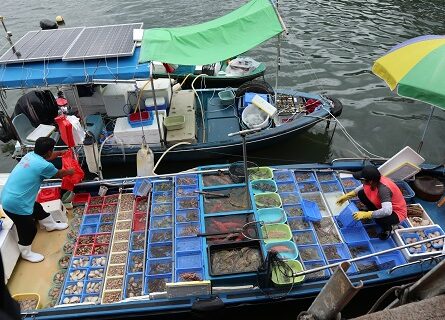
213 41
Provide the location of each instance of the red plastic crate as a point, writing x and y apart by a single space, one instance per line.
48 194
81 198
66 130
139 221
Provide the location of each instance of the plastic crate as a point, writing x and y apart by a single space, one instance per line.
336 251
287 250
131 267
305 187
330 186
187 260
276 232
188 244
48 194
407 191
373 230
137 286
191 274
284 187
390 260
310 252
354 234
295 210
283 175
139 119
351 270
81 198
360 248
380 245
142 187
350 183
185 191
187 229
371 264
88 229
302 176
310 210
319 275
156 283
298 223
304 237
160 250
91 219
186 180
259 173
189 215
162 197
159 266
290 198
21 297
345 219
273 198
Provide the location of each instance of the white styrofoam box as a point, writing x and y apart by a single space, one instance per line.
264 105
43 130
56 209
414 256
424 216
138 34
403 165
8 247
114 96
331 199
126 134
161 86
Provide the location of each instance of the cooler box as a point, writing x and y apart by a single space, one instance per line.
160 103
115 98
162 90
94 124
124 133
48 194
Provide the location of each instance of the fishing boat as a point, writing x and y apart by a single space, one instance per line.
122 106
207 243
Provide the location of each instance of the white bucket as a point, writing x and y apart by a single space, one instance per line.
254 118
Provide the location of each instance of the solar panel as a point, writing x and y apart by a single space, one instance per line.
42 45
103 42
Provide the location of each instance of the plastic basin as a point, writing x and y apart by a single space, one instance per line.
263 185
227 97
258 173
276 232
287 250
272 215
283 275
174 122
267 200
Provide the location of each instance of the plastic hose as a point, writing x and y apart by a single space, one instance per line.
165 152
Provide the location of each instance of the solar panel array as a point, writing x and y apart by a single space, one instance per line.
73 44
105 41
42 45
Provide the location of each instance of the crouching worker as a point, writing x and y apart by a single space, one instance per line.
381 196
20 192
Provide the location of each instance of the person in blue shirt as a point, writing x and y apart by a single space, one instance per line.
20 192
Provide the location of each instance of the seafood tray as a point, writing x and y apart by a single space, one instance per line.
234 258
283 187
234 199
227 223
294 210
188 244
326 231
161 197
370 264
161 209
390 260
325 176
417 216
336 252
303 176
114 198
304 237
310 252
185 275
162 186
139 222
360 248
287 250
283 175
262 186
373 230
161 222
160 250
81 199
156 283
350 183
186 180
216 179
305 187
380 245
159 266
267 200
354 234
298 223
137 241
187 260
133 285
259 173
331 200
319 275
96 201
126 202
185 191
141 205
405 236
190 215
330 186
351 270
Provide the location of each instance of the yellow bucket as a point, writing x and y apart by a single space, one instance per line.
28 301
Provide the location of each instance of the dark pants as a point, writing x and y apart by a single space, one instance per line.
385 223
26 224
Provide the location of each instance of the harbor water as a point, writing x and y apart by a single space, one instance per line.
330 48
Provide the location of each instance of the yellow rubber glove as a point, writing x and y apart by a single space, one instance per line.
342 199
362 215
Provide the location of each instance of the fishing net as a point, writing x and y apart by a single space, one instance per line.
236 170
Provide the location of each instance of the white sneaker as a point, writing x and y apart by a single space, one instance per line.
51 225
27 254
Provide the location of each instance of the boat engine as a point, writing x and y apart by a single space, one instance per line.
7 131
39 106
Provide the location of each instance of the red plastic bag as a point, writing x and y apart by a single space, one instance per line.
69 162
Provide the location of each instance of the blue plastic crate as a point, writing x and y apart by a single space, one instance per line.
310 252
302 176
390 260
289 198
80 261
69 279
294 210
159 266
188 244
137 240
371 264
189 215
63 296
319 275
283 175
92 269
142 187
156 283
284 187
190 229
91 219
345 219
407 191
330 186
291 252
73 284
131 267
88 229
325 176
187 260
304 237
311 210
138 285
411 250
298 223
351 270
162 197
187 180
305 187
87 297
380 245
360 248
248 96
430 230
100 282
336 251
161 209
187 203
162 186
373 230
354 234
183 275
136 121
186 191
161 222
350 183
94 260
160 235
160 250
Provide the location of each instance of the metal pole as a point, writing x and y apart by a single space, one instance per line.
246 172
426 127
8 37
161 136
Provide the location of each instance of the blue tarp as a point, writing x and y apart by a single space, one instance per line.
58 72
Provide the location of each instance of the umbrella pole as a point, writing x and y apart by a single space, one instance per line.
426 128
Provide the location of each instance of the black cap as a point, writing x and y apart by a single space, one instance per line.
369 173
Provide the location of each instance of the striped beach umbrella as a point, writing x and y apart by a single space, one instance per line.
416 69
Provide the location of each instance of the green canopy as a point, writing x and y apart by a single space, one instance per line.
212 41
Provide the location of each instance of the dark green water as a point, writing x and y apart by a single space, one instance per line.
330 48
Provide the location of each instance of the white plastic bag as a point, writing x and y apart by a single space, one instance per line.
241 66
78 130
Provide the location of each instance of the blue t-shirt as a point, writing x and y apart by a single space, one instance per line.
21 188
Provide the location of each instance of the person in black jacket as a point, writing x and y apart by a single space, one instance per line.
9 308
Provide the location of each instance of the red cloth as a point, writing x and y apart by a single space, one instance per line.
168 68
69 162
398 201
311 104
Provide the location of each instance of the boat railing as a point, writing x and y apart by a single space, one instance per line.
332 265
